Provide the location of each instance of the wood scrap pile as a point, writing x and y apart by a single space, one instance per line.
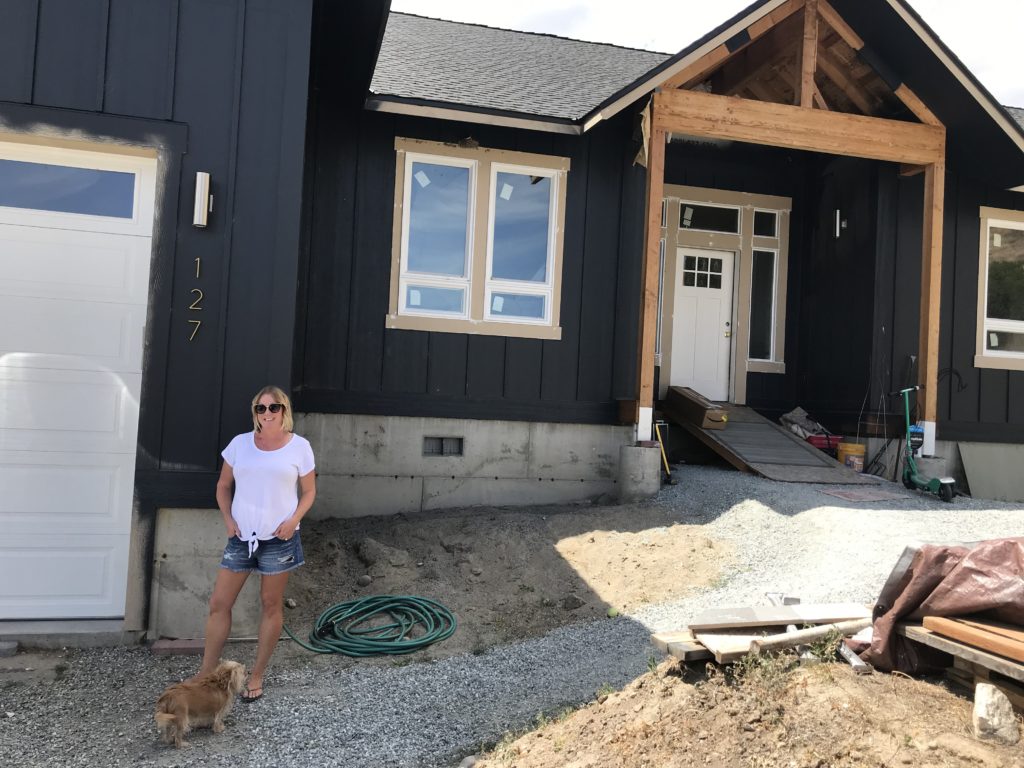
728 634
982 652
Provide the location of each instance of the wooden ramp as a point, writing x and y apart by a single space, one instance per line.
752 443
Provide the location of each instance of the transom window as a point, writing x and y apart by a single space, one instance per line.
709 218
478 240
1001 290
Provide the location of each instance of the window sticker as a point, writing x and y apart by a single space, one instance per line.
506 191
422 178
498 304
414 298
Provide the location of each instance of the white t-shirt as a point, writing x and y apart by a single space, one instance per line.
266 484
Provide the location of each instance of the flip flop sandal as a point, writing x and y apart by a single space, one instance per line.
249 695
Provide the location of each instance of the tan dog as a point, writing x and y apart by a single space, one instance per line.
202 702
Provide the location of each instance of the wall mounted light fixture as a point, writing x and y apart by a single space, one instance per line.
204 200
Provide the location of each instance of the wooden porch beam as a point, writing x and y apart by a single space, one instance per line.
835 72
649 269
706 64
782 125
931 283
809 55
819 100
907 169
844 30
912 102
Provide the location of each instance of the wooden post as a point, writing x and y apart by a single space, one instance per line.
931 281
809 55
649 273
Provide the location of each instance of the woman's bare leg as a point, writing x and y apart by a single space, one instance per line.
271 619
218 623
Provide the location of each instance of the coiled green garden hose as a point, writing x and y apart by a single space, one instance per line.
354 627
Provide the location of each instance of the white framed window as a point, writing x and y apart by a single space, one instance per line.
477 240
1001 290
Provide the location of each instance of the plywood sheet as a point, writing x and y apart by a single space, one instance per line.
777 615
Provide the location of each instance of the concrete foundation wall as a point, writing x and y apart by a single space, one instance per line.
374 465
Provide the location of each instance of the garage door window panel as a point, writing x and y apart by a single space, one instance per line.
66 189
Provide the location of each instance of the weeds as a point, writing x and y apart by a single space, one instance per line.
827 647
652 664
604 690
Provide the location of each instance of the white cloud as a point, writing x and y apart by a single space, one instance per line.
986 34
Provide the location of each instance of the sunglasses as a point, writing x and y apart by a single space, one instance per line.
273 408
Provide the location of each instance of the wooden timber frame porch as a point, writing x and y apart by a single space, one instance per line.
810 125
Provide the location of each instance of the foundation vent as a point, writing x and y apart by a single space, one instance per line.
442 446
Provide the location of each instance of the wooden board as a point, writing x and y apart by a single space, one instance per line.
688 406
1006 630
726 648
777 615
681 645
976 636
985 659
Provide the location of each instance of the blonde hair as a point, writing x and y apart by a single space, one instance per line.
287 422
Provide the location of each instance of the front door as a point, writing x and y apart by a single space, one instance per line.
702 322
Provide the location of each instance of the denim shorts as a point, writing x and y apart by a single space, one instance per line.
271 557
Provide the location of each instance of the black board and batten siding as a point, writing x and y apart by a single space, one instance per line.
348 362
217 86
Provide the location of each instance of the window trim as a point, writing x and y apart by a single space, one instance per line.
987 358
480 220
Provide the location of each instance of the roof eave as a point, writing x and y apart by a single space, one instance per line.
469 114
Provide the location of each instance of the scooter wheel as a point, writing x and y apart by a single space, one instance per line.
946 492
908 483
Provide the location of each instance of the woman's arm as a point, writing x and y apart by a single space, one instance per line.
307 494
225 491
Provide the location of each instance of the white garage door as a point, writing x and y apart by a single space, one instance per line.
75 233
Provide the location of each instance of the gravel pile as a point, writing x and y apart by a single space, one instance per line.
789 538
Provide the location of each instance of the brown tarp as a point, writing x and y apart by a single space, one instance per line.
984 579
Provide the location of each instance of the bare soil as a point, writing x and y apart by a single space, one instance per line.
505 574
759 717
512 574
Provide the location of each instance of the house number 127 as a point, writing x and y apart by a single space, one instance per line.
196 305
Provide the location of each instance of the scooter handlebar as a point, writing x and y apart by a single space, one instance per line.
901 391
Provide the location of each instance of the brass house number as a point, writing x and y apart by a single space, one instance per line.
196 305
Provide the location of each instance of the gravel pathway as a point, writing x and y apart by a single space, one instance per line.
787 537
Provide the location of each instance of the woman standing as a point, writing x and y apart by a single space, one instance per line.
266 486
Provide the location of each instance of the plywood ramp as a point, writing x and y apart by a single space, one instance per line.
752 443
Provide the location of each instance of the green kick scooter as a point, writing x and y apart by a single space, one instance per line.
943 487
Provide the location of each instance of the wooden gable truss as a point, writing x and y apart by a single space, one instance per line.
799 77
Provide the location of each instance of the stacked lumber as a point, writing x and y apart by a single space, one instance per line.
982 651
1003 639
686 406
728 634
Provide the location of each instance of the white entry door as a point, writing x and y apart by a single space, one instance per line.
75 245
702 322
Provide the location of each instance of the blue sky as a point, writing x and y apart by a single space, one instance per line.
985 34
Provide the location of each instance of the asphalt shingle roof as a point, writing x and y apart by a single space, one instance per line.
502 70
1017 113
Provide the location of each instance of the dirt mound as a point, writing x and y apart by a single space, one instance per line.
763 715
506 574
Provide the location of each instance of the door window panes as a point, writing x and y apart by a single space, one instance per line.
712 218
522 218
425 298
702 272
66 189
517 305
762 299
439 219
766 224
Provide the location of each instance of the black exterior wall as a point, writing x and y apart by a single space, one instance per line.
217 86
348 362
